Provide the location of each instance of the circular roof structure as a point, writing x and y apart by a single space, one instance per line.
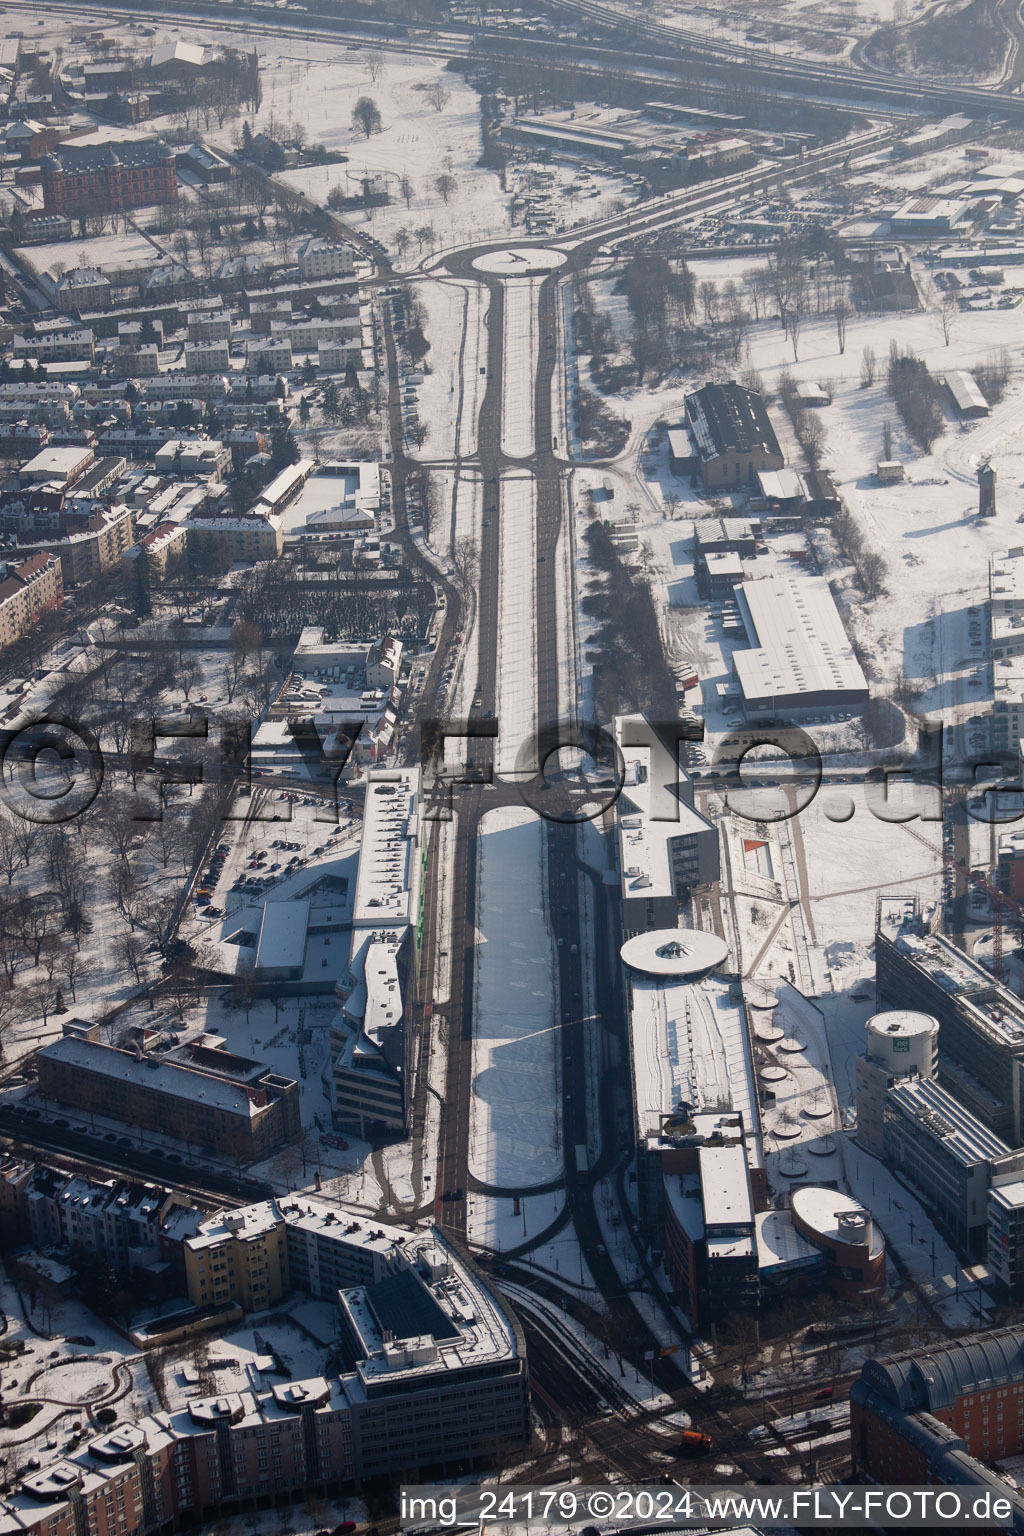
902 1022
688 953
820 1210
526 261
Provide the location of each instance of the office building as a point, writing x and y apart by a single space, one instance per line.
845 1234
203 1095
1005 1255
371 1038
899 1044
981 1023
1006 602
949 1155
665 846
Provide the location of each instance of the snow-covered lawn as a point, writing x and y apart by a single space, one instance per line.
514 1125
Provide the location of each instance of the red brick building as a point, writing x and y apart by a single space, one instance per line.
108 178
937 1415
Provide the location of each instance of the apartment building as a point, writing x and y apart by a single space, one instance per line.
59 345
27 588
318 257
89 545
243 539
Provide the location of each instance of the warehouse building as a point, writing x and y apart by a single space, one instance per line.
799 659
967 398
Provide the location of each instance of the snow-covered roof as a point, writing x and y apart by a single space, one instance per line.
282 940
645 842
158 1073
963 1135
725 1186
797 641
690 1045
780 1246
388 872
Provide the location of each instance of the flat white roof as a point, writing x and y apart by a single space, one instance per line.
167 1076
282 940
725 1186
56 461
387 853
798 643
779 1244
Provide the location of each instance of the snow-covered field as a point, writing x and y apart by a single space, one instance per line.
450 394
515 1138
317 85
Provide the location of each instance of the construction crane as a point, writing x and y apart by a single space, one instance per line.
1001 904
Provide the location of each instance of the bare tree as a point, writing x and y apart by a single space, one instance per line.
707 294
439 96
366 116
949 314
374 64
445 185
841 313
868 365
407 190
10 858
466 560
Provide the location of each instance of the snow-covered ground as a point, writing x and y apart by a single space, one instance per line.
317 84
519 366
517 623
515 1138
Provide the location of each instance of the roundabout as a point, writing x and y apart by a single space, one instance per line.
526 261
